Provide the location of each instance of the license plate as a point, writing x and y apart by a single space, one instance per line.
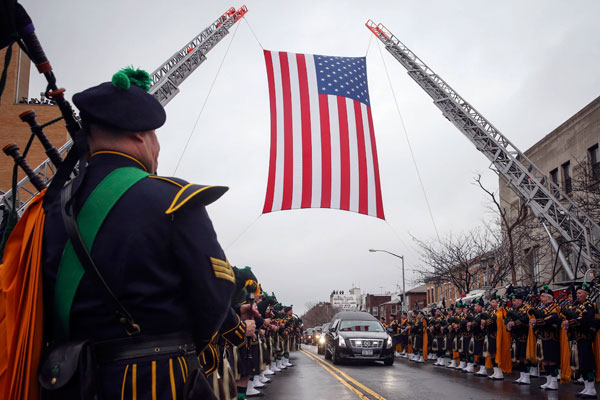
367 352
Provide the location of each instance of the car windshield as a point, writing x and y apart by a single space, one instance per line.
360 326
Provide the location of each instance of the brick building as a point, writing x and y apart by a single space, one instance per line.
373 301
12 129
416 298
390 307
436 292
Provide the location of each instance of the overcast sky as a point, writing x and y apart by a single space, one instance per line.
527 66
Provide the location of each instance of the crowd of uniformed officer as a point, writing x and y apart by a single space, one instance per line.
528 331
249 350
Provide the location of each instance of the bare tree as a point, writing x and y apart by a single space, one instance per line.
497 249
318 314
460 259
517 234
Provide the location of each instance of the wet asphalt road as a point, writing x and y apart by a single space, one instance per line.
314 378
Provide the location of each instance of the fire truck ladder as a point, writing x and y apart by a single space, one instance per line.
165 85
526 180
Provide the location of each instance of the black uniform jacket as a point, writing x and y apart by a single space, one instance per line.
167 269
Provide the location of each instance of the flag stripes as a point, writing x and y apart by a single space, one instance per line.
323 152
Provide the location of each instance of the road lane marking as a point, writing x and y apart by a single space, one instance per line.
357 383
346 376
325 367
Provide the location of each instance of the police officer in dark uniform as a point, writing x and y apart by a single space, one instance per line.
581 324
464 338
545 320
451 335
438 323
478 339
517 323
418 329
491 329
153 244
403 335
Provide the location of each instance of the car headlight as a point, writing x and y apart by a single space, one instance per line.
322 340
341 341
389 342
317 336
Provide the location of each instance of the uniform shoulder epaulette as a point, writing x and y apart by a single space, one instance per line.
187 191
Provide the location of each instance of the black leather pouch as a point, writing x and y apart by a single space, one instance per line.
68 372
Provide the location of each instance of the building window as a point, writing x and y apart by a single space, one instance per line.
374 311
594 156
566 175
554 178
533 263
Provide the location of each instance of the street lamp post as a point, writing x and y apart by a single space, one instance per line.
403 281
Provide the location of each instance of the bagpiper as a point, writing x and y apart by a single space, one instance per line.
517 323
545 321
491 331
581 324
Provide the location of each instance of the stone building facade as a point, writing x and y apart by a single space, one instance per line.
570 157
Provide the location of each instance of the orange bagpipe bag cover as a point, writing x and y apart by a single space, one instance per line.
21 308
503 341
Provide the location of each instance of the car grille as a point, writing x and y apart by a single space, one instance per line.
366 343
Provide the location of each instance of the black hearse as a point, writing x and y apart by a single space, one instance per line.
358 336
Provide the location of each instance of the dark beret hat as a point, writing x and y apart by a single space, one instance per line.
584 286
131 109
546 290
517 295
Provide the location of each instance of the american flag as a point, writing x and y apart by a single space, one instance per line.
323 152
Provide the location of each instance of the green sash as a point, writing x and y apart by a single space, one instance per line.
90 219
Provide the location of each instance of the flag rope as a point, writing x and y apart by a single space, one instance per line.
242 233
409 145
253 33
369 45
212 85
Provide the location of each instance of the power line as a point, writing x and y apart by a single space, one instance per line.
409 145
205 100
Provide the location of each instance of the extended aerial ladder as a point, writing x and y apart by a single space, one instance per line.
529 183
165 86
